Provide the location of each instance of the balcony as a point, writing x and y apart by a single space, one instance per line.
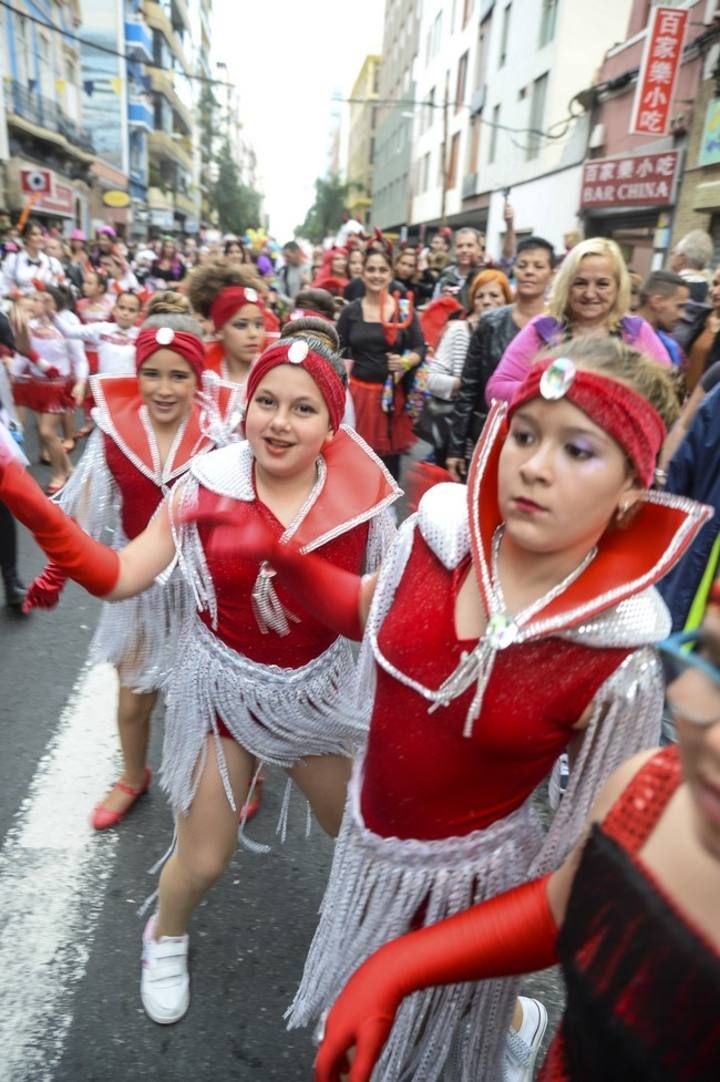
173 146
43 113
158 20
140 114
138 41
185 204
162 83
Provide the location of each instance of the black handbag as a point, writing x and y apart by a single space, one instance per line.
433 424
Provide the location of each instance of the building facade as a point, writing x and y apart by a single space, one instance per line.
498 79
172 196
40 69
361 141
391 191
644 191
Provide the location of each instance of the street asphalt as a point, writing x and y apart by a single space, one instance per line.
69 927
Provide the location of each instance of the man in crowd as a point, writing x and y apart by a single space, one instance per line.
292 275
663 297
469 260
690 259
533 271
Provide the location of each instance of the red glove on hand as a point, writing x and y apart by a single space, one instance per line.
331 594
512 933
76 555
44 592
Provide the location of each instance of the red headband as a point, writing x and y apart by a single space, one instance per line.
229 301
615 407
186 345
298 351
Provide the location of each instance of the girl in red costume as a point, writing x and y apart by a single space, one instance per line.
50 384
260 677
513 618
233 298
377 350
149 427
632 916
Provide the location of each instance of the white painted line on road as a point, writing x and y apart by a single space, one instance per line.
53 870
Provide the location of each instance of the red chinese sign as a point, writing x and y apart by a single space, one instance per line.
659 71
642 180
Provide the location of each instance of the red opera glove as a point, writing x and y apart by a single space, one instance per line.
331 594
512 933
92 565
44 592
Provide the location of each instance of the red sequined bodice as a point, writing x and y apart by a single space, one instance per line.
234 580
422 777
140 496
642 983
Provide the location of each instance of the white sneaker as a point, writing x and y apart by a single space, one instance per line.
165 982
523 1045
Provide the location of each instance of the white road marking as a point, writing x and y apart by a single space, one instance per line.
53 870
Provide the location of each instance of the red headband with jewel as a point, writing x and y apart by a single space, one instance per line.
299 352
188 346
229 301
615 407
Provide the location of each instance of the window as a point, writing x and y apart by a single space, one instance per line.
429 110
548 17
481 55
451 177
492 145
425 176
461 82
437 33
537 114
376 79
473 146
467 12
21 49
504 35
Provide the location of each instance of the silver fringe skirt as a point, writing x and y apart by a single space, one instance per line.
379 888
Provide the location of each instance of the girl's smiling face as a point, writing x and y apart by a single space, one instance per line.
243 334
287 422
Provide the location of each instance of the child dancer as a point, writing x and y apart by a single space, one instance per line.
261 679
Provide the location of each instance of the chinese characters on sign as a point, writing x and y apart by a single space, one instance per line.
644 180
658 71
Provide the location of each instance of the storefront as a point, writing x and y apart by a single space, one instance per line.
63 206
630 198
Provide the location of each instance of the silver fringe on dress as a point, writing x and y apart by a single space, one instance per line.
380 887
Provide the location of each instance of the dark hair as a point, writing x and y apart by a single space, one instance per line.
528 243
320 300
230 243
30 224
98 273
313 327
291 246
129 293
661 282
62 296
205 282
375 247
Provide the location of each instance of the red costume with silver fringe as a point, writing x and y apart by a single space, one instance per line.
115 492
44 385
256 666
439 812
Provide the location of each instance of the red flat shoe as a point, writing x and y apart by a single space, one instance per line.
248 811
102 818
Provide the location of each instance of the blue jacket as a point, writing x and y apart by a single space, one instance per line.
695 471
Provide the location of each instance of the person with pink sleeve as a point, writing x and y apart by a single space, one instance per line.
590 296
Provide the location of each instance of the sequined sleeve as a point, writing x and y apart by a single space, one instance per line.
381 536
91 495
